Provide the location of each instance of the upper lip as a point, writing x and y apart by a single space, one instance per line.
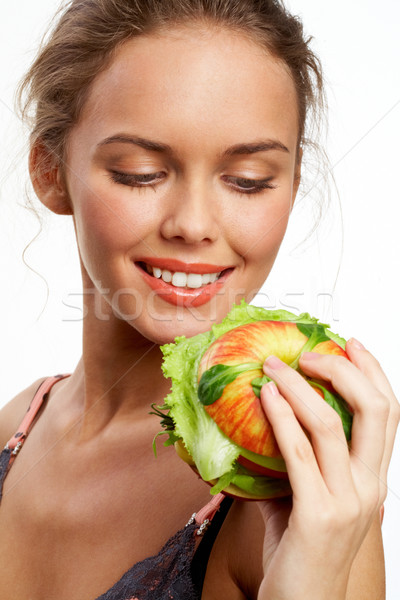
173 264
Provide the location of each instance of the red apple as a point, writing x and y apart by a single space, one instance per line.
238 411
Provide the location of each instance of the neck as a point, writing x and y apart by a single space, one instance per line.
118 377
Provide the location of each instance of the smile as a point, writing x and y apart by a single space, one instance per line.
180 279
181 283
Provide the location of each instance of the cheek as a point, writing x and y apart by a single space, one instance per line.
108 225
258 228
108 219
100 232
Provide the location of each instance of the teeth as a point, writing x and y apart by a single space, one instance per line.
167 276
194 280
178 279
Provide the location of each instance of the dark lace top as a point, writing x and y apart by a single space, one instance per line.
177 572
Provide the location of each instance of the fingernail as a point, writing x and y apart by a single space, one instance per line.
356 344
310 355
273 362
272 389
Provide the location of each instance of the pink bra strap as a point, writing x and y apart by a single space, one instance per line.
206 514
208 511
15 442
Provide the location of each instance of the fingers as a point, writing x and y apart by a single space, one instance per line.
302 406
370 410
375 415
369 365
336 493
297 409
303 470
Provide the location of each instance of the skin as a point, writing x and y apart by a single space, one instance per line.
86 476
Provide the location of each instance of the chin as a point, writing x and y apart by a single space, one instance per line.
161 322
165 331
163 327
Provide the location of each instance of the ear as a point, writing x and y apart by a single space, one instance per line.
47 179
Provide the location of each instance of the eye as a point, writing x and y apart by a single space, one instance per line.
243 185
139 180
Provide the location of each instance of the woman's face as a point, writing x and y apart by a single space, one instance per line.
183 161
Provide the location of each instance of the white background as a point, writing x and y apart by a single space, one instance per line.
357 41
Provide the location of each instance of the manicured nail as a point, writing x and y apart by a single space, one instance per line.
272 388
310 355
273 362
356 344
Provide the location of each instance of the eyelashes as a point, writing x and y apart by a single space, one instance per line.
142 180
241 185
249 186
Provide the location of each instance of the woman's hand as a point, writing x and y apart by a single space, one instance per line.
313 538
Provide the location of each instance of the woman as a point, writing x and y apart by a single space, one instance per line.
172 132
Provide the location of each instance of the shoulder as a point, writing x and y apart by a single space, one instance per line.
13 412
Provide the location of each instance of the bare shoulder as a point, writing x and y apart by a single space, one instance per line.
13 412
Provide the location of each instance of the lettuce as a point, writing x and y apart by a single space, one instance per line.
212 451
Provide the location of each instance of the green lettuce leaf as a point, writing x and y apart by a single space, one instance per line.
214 380
338 404
316 335
212 451
336 338
251 483
262 486
257 384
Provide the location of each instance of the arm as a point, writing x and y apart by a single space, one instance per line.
329 537
240 545
235 570
367 574
326 542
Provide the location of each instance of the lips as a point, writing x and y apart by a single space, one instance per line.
173 264
183 296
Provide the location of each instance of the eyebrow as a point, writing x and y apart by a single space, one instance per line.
249 148
252 148
138 141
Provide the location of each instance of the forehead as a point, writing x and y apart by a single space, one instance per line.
193 82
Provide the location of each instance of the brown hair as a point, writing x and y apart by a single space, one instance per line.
88 32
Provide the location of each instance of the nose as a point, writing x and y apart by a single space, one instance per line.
191 215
